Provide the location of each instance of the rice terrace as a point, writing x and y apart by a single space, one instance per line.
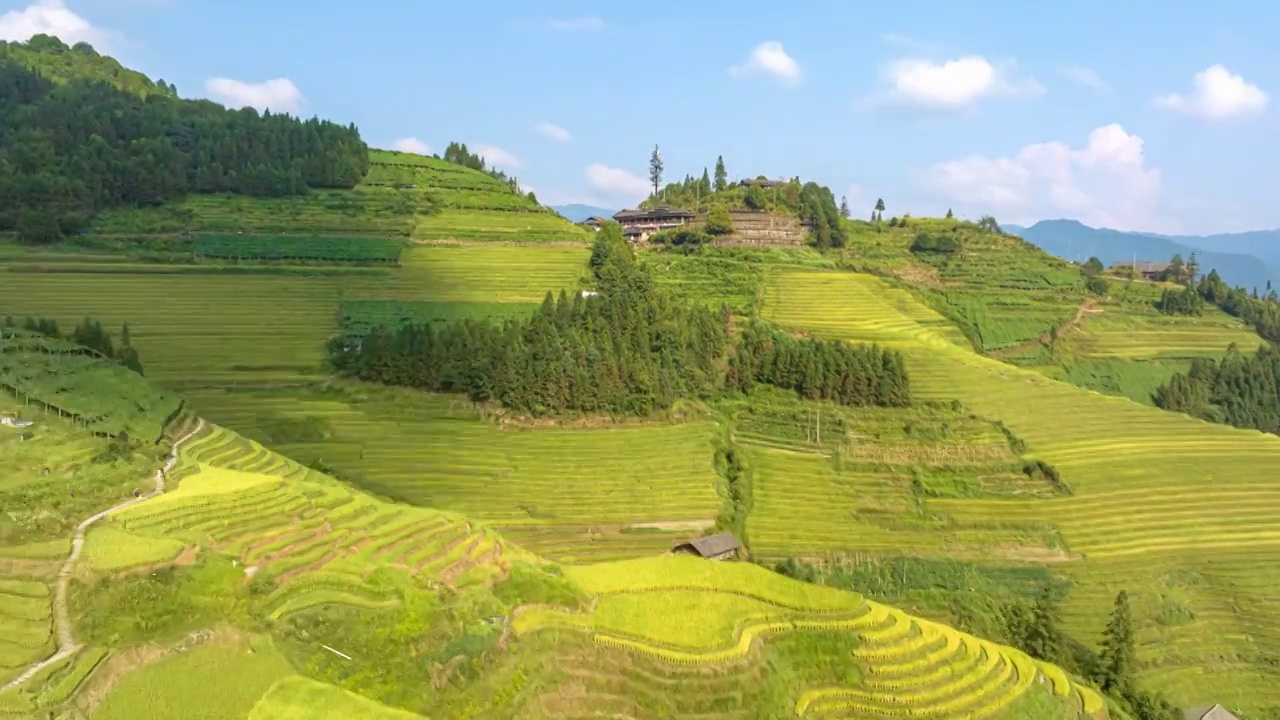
296 427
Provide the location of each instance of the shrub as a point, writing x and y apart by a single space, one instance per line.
1097 285
718 220
927 242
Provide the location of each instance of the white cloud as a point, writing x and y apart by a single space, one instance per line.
769 58
1107 183
953 84
51 17
411 145
553 132
278 95
1086 77
1217 95
496 157
616 184
583 24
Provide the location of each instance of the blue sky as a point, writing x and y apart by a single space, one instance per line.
1139 114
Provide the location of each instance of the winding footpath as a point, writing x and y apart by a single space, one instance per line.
62 616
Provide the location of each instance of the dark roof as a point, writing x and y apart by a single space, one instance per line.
1211 712
714 544
1152 267
658 213
761 183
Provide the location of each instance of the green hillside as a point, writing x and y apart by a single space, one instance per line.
296 592
437 443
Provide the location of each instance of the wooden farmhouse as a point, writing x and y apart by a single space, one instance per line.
638 225
721 546
1150 270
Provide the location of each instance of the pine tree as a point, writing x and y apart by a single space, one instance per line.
1117 664
1044 637
844 206
722 176
879 209
950 215
655 170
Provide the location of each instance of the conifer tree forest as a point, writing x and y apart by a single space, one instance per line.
627 350
70 149
855 375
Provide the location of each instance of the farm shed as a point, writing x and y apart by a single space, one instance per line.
1213 712
721 546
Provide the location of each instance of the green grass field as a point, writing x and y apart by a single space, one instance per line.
1171 509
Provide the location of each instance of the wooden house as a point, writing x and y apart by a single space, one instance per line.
638 225
1212 712
721 546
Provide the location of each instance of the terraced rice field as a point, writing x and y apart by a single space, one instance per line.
225 329
567 494
1175 510
195 329
498 226
1150 335
286 523
497 273
26 623
725 619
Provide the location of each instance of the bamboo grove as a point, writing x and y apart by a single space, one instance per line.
627 349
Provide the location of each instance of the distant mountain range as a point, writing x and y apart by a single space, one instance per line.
1248 259
578 213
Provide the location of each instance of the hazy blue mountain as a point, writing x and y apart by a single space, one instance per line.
578 212
1264 244
1072 240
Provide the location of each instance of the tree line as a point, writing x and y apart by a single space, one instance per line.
855 375
626 350
71 149
1237 390
89 334
458 154
1037 630
1263 313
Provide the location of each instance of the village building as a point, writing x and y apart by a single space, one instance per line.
1213 712
766 184
721 546
593 223
1150 270
638 225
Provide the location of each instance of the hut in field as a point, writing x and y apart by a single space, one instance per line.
1212 712
721 546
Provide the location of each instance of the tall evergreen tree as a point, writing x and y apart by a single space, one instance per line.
1118 657
655 170
722 176
844 206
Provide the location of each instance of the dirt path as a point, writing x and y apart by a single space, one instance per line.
1088 307
61 614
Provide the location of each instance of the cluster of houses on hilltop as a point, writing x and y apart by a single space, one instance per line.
638 225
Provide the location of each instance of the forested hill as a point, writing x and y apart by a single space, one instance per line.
61 63
73 144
